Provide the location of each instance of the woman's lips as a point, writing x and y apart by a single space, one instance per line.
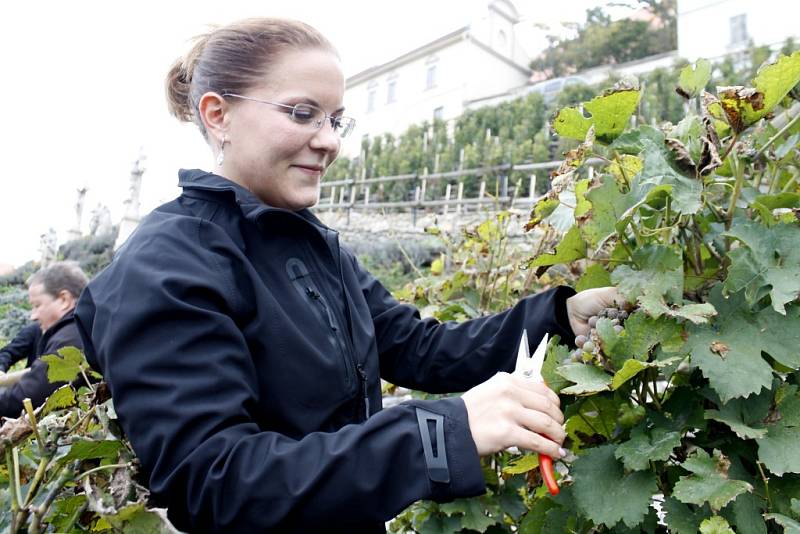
313 170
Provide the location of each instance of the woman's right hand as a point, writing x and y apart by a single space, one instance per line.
512 411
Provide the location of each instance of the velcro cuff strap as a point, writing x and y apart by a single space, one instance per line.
437 464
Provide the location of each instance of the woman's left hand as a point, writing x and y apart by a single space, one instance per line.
590 302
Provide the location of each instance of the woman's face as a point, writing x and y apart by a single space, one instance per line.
276 158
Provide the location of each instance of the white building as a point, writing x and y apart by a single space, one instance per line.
715 28
436 80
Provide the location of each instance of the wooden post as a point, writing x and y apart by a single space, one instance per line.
460 197
532 188
591 174
447 198
366 195
341 197
332 199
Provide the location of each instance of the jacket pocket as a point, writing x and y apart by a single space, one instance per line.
305 286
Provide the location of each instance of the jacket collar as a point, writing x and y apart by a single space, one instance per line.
58 325
252 208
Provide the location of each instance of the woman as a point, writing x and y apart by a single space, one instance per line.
244 346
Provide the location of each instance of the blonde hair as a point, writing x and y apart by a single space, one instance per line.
233 59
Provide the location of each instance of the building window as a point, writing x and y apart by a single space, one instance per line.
391 90
430 72
438 113
739 29
372 89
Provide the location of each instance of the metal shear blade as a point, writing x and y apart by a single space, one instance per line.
527 365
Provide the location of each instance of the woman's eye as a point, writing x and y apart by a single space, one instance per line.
303 113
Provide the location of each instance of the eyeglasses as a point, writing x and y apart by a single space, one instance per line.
307 114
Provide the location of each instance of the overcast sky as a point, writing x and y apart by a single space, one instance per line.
83 91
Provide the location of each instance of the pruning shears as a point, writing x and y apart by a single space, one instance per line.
531 367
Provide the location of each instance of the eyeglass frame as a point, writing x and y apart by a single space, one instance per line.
350 122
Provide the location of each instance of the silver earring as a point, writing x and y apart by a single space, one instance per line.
221 155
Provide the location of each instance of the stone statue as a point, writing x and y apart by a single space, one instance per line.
49 247
100 223
75 232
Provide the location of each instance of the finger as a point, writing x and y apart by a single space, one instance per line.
533 401
541 423
537 387
525 439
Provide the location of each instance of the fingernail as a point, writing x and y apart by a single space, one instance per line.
562 452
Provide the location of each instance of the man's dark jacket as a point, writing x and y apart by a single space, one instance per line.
244 349
23 345
34 383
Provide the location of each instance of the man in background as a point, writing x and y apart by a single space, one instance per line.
53 292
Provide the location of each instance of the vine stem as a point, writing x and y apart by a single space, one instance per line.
775 137
737 189
764 478
32 419
13 490
101 468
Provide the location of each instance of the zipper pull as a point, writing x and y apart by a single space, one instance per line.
314 294
363 376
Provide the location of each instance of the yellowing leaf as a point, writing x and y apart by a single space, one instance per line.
608 114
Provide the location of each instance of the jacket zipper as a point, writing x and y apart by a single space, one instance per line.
363 376
301 279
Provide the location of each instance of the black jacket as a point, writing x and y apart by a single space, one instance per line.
244 349
34 383
22 346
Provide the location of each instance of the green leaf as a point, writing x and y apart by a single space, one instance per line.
589 417
608 207
715 525
62 511
790 526
553 357
474 516
523 464
746 513
660 274
731 417
86 449
66 366
694 78
767 262
681 519
533 522
571 248
637 141
709 481
594 276
63 397
630 369
609 114
658 175
778 450
644 447
744 106
781 200
605 494
728 352
588 379
643 333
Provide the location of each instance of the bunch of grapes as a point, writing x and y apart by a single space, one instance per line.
588 346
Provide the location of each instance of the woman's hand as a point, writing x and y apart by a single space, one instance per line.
511 411
590 302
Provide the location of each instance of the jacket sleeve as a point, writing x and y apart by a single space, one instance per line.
22 346
162 327
33 385
437 357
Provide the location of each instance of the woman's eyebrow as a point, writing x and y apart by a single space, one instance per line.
308 100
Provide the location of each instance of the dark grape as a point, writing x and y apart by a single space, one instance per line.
580 340
588 346
612 313
592 321
618 328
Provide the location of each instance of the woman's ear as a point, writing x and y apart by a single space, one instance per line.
214 114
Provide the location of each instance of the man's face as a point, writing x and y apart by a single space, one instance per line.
46 308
